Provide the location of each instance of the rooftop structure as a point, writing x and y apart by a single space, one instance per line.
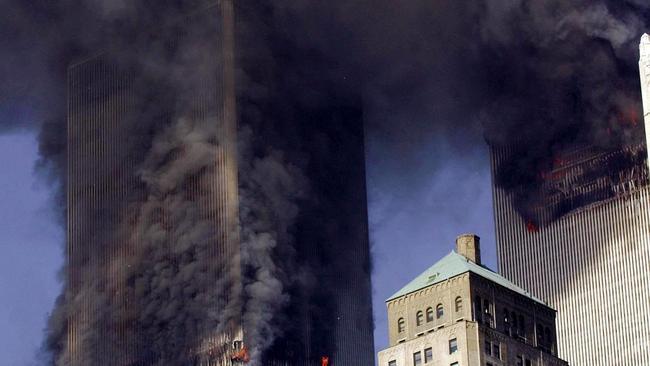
461 313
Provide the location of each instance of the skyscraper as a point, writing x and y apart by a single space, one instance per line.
195 222
582 242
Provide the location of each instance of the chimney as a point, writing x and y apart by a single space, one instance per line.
469 246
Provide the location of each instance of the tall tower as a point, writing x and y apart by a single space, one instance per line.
126 217
588 247
158 202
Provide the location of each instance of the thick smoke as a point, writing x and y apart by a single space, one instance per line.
270 188
533 76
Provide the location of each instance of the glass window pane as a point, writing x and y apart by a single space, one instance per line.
400 325
439 311
428 355
429 315
417 358
392 363
496 350
488 348
453 346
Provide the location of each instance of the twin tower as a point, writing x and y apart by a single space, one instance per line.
216 199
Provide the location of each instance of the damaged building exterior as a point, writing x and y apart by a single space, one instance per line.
584 244
162 201
460 313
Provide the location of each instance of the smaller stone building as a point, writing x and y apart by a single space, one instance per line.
459 313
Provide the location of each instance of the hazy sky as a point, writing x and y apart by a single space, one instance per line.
30 243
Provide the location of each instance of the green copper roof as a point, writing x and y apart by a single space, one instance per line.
452 265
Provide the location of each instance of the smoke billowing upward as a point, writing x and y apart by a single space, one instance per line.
533 76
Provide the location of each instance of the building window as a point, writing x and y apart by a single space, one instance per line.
528 363
496 350
428 355
417 358
440 311
488 348
419 318
453 345
429 315
487 313
478 317
400 325
392 363
459 304
522 326
520 360
453 364
488 364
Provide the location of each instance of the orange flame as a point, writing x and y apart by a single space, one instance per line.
324 361
531 227
241 355
629 116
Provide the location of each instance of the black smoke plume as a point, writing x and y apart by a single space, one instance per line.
534 76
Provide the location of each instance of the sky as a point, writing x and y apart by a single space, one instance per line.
414 226
31 258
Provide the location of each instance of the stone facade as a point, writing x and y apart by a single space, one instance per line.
469 320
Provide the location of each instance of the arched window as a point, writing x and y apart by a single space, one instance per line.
429 315
459 304
419 318
439 311
400 325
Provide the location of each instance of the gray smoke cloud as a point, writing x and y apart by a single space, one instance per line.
537 75
269 190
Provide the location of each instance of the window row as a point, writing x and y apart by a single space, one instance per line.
394 363
493 349
544 336
428 356
523 361
483 311
514 324
428 353
420 315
